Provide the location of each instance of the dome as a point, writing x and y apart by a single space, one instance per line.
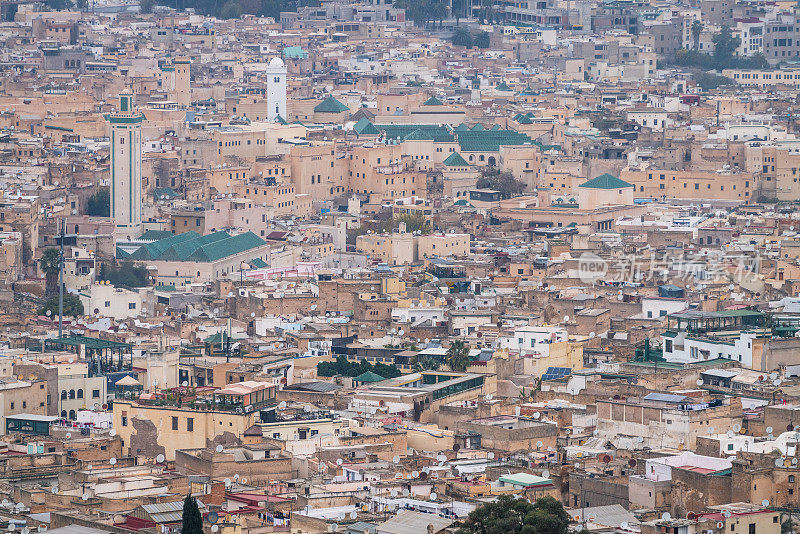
276 63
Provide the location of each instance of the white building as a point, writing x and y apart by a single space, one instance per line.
105 300
534 340
276 89
126 168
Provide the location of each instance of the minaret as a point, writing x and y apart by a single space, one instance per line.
276 89
126 168
183 88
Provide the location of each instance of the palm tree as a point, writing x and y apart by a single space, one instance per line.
458 356
50 263
697 29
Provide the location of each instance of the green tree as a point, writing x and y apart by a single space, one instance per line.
72 306
341 366
509 515
414 223
697 30
192 520
146 6
725 45
99 204
458 356
58 5
50 262
125 274
482 40
462 37
231 10
500 181
459 9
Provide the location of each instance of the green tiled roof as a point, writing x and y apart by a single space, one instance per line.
368 377
190 246
226 247
155 235
122 255
365 127
330 105
294 52
166 192
503 87
280 120
455 160
432 101
491 140
257 263
477 128
461 128
429 131
606 181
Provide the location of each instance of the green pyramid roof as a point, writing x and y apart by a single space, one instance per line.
330 105
368 376
477 128
503 87
432 101
365 127
606 181
461 128
280 120
455 160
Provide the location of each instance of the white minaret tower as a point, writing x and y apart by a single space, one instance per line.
126 168
276 89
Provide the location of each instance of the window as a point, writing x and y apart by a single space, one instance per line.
131 305
80 393
95 393
12 405
174 423
190 424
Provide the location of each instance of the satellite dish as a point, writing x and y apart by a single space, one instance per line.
769 430
353 515
699 381
490 455
400 332
441 458
737 427
545 474
434 496
624 525
282 405
89 467
517 411
185 383
566 318
68 435
227 482
112 461
415 474
394 493
160 458
539 444
41 528
405 492
214 528
765 502
666 516
54 490
338 461
220 448
85 496
536 415
396 459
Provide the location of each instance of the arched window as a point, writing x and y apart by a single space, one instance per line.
63 394
80 393
63 414
72 394
72 414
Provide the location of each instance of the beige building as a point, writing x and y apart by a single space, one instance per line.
658 183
